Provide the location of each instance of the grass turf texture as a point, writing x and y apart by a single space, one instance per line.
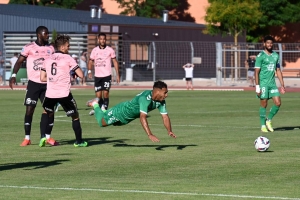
212 158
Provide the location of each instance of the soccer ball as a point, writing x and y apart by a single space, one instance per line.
262 143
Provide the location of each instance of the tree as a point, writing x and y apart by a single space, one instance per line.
70 4
54 36
154 8
232 17
275 13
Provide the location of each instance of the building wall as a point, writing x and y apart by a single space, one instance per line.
197 9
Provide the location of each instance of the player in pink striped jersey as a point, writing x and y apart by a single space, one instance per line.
34 53
100 58
56 72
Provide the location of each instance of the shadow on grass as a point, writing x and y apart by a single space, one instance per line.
157 147
286 128
95 141
32 165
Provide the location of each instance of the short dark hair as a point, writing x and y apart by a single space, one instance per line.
102 34
268 37
160 85
40 29
61 40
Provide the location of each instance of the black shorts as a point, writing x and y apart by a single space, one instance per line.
188 79
34 91
68 103
102 83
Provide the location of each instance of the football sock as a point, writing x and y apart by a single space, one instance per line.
273 112
98 114
106 102
100 102
27 124
77 130
49 127
262 115
27 137
43 124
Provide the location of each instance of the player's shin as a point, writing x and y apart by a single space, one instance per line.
106 102
43 124
49 126
262 116
77 130
98 114
273 112
27 124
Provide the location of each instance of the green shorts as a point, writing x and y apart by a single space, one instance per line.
267 92
108 117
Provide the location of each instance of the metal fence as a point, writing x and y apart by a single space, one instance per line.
150 61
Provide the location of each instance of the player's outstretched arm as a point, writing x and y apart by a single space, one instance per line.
17 66
144 122
257 90
167 123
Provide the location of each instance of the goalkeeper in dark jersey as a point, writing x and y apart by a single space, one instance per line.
138 107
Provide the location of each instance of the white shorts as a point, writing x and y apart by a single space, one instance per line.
250 73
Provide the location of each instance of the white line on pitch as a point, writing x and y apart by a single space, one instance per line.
148 192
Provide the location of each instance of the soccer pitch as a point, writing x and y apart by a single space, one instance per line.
213 156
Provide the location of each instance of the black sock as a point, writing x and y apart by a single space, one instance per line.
106 102
49 126
77 130
43 124
27 124
100 102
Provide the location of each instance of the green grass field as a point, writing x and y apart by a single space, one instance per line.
213 156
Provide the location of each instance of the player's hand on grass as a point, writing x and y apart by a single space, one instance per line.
153 138
282 90
12 81
171 134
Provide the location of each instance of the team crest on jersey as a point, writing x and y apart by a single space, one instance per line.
48 52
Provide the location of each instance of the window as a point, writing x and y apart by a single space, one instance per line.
139 52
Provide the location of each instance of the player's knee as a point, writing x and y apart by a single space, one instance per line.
30 110
278 103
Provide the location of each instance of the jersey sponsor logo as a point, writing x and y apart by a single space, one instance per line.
271 66
100 63
36 53
37 64
30 101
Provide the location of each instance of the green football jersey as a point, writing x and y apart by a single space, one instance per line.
127 111
267 64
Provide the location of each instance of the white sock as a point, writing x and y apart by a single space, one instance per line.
263 126
27 137
47 136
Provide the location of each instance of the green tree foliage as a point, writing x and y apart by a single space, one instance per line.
70 4
54 36
232 17
153 8
275 13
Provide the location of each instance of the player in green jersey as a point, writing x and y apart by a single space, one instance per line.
266 65
138 107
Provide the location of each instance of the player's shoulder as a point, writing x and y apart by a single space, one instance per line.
261 54
146 94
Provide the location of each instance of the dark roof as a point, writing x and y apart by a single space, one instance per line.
44 12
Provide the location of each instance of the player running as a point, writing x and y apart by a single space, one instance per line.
56 72
34 53
125 112
266 65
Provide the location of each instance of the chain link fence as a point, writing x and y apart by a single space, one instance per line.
150 61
